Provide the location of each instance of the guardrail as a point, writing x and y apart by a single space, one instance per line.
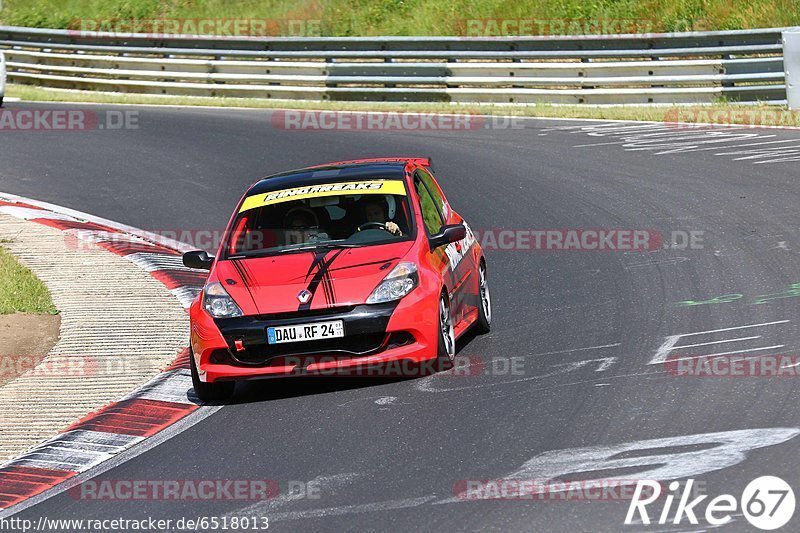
791 65
2 77
693 67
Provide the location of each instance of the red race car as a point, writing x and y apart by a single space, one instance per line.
333 268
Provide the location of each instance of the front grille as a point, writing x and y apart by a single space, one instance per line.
398 339
353 345
309 313
364 327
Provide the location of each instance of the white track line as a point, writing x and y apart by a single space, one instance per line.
723 341
734 328
719 354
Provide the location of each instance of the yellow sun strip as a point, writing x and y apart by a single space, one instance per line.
329 189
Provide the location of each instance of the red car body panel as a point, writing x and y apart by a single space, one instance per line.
269 286
273 282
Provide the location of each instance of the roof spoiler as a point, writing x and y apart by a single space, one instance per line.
422 161
426 162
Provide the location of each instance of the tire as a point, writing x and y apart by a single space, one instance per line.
484 322
210 392
446 350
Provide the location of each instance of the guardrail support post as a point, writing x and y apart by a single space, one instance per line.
791 66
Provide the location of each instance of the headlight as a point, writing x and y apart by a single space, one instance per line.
218 303
399 282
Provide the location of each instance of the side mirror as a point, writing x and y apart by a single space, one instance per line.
198 259
448 234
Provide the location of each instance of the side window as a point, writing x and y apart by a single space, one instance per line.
428 205
429 182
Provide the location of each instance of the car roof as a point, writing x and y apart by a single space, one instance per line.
335 172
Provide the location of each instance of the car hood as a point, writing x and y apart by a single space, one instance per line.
339 277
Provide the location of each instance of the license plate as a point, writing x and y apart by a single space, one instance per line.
305 332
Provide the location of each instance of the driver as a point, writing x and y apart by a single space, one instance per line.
375 211
301 226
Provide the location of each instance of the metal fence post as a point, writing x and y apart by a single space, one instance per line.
791 66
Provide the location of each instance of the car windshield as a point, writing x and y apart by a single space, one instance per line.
321 216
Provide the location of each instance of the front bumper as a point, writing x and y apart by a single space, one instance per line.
364 326
237 348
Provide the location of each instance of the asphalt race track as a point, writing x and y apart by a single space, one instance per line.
584 330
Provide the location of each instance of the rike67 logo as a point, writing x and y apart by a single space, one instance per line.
767 503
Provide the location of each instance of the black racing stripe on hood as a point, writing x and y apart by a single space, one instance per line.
382 261
322 264
249 279
327 284
332 286
245 279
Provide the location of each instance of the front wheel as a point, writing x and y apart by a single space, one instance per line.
447 337
484 323
210 392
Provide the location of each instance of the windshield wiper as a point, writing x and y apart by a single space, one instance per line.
322 246
308 248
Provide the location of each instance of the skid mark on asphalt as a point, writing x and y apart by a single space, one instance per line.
377 400
682 456
658 262
494 395
434 383
488 395
388 505
328 485
557 352
455 381
387 400
736 142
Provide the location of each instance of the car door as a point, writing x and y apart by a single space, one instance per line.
456 263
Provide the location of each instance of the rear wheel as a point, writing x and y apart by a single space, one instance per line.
484 323
447 338
210 392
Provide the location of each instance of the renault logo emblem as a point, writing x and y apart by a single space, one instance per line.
304 296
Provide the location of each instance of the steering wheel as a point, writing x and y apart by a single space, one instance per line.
373 225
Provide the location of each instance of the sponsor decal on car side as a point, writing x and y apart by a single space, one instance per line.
457 250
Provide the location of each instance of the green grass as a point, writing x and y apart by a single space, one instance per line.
721 112
20 290
412 17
